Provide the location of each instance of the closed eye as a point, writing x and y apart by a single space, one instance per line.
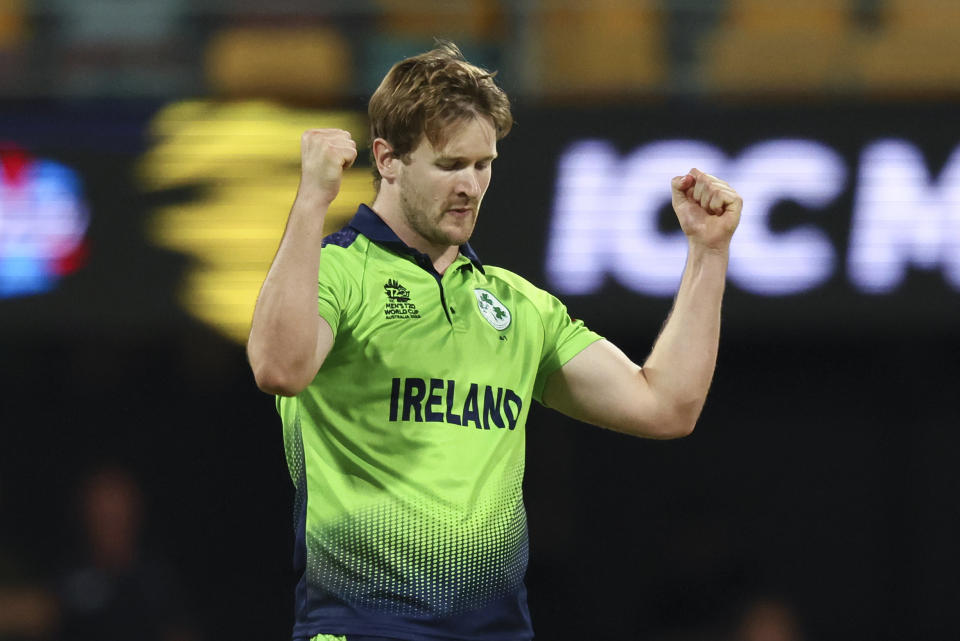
457 164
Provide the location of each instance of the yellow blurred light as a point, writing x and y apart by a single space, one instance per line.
244 160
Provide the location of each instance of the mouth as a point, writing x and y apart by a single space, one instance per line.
460 211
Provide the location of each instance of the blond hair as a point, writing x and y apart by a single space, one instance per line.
425 94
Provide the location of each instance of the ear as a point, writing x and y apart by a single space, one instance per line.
385 159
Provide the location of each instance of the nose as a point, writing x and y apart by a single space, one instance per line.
469 184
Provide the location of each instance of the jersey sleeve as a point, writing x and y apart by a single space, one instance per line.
564 338
334 283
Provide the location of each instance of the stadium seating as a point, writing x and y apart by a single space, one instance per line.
607 48
13 28
915 50
312 63
778 47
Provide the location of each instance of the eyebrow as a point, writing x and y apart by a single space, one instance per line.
442 159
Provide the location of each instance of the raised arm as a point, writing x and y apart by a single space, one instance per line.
288 338
663 399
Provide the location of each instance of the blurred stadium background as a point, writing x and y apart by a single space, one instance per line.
150 154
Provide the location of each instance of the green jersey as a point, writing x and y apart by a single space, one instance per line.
407 449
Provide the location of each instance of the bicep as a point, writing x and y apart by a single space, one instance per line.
602 386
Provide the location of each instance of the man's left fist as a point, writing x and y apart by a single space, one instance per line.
708 208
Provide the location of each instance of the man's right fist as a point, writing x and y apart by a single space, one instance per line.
324 154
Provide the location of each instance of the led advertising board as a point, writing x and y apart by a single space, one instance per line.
851 216
140 217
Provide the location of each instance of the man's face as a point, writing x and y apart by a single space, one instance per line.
441 189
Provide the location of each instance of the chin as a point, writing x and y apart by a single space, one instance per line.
457 235
460 238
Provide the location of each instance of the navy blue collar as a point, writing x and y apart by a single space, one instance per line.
367 222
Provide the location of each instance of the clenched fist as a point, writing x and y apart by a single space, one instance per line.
708 208
324 154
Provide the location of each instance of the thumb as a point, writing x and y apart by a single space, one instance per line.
349 157
679 186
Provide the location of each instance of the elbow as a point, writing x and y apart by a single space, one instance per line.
673 423
275 381
678 428
665 430
277 378
681 420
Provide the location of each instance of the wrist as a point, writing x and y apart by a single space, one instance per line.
314 199
697 248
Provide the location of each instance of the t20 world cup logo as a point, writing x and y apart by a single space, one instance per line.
43 222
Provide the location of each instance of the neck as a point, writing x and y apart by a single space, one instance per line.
442 256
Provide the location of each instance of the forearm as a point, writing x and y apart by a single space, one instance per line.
663 399
284 332
681 364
